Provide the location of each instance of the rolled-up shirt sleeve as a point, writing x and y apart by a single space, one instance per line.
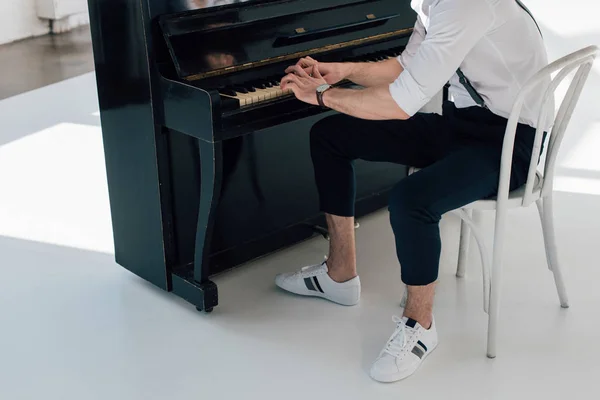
454 29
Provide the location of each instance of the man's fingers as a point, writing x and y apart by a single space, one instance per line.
290 85
296 69
295 89
316 73
306 62
289 79
291 69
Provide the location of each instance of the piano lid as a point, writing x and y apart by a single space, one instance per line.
210 42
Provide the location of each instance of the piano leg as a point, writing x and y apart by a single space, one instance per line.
211 169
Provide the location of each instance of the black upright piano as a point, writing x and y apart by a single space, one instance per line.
207 159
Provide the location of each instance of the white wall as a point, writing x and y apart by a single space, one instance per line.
71 22
18 20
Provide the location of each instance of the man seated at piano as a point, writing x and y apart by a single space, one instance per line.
497 46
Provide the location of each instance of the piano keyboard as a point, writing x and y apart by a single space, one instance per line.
260 91
255 92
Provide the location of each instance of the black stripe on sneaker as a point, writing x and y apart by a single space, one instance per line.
422 345
411 323
417 351
309 284
317 284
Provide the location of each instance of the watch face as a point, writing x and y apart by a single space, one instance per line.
323 88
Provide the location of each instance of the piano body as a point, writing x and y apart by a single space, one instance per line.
208 161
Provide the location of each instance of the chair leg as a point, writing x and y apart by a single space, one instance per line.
540 207
485 259
496 280
545 208
464 244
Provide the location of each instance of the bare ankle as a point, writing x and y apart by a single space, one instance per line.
342 251
419 305
340 273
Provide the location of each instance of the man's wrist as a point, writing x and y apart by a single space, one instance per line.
327 96
348 70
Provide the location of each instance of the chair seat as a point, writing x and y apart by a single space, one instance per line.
515 198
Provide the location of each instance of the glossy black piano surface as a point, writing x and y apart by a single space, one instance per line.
207 159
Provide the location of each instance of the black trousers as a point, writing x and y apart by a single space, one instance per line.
459 153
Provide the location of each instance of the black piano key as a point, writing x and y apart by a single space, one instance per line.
240 89
228 91
259 85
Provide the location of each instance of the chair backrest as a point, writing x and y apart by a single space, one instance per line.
581 62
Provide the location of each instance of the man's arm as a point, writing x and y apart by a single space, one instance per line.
452 34
412 47
374 103
364 74
455 27
386 72
374 74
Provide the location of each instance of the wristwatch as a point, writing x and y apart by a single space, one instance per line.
320 91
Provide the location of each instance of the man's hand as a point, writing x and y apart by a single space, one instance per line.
331 72
303 84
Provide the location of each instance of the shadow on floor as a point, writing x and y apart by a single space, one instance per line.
36 62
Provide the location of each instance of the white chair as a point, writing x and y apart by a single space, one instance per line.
538 187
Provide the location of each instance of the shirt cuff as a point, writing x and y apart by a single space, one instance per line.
401 62
408 94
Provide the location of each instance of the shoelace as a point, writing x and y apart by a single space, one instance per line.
401 336
310 270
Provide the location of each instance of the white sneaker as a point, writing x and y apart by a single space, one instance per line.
315 281
404 352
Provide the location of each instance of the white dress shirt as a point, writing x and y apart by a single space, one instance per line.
494 42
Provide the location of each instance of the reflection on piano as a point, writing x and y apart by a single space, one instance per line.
207 159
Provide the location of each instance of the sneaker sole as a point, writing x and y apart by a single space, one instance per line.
398 377
317 294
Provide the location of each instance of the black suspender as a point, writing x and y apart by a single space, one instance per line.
467 84
472 92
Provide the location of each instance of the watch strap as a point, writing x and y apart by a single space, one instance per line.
320 97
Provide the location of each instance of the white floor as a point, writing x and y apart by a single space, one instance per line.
75 325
